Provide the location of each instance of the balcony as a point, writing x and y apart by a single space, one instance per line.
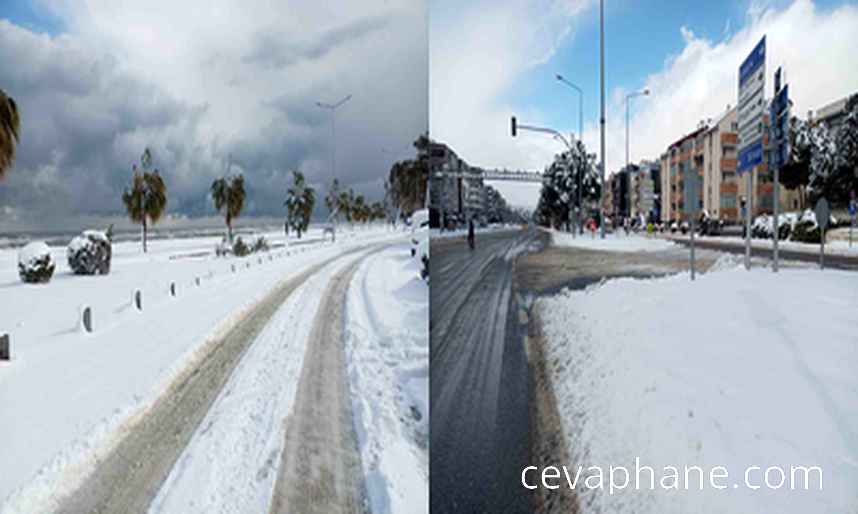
729 139
728 164
729 187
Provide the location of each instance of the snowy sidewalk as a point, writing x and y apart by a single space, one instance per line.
387 348
736 369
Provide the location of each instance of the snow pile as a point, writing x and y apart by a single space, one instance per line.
90 253
612 242
35 263
737 369
387 348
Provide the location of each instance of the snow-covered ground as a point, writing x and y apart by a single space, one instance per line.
612 242
837 246
387 348
66 396
737 369
230 464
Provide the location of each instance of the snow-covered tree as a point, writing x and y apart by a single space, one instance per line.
846 175
823 162
570 171
300 200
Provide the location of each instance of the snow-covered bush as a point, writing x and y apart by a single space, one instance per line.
240 248
260 244
223 248
90 253
35 263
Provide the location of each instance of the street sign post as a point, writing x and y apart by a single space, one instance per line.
779 154
823 213
691 194
752 83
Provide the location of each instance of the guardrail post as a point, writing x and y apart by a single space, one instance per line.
86 318
5 353
173 289
137 299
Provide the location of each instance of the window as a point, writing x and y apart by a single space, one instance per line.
728 200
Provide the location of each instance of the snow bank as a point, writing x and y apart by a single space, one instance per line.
736 369
612 242
387 349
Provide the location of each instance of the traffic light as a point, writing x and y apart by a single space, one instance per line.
514 126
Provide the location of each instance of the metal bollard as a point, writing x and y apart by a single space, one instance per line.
197 281
86 318
173 289
5 353
137 299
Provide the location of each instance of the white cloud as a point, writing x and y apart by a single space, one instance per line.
471 71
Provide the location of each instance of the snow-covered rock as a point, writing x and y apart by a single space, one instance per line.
35 263
90 253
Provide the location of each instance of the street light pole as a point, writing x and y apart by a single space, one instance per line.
629 96
333 108
602 109
579 227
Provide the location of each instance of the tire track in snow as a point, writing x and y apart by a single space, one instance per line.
320 469
130 476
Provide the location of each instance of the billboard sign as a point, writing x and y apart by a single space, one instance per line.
752 83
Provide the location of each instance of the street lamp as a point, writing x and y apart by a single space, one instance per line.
643 92
602 108
580 103
333 108
560 78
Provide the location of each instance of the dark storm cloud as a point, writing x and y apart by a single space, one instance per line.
272 49
88 113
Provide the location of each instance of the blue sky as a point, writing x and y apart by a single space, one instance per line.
31 15
490 60
647 32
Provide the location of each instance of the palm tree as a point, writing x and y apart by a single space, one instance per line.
300 200
10 131
345 205
332 199
146 200
228 195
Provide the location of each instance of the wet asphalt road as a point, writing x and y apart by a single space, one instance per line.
480 422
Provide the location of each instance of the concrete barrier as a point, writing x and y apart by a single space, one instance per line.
86 318
137 299
5 352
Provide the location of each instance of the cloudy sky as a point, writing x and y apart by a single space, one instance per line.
491 60
198 81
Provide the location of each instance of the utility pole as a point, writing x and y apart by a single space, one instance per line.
602 109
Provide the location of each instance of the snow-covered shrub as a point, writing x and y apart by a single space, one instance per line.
35 263
223 248
240 248
806 229
260 244
90 253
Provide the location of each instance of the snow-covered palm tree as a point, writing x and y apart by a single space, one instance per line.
300 200
146 199
10 131
228 194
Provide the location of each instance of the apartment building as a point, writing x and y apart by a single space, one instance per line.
720 180
682 176
455 188
645 190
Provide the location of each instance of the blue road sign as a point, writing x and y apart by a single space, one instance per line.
853 208
752 63
750 156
